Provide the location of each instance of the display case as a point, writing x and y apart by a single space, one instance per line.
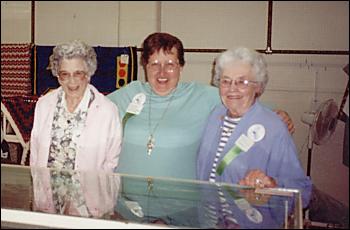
41 198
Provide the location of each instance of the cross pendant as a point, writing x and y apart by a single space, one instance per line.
149 184
150 145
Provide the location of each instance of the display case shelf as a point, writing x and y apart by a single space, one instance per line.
41 197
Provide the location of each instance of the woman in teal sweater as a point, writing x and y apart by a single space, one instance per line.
163 118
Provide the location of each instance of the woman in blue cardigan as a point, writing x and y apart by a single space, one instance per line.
244 142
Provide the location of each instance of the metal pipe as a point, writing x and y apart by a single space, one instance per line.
32 37
271 51
269 28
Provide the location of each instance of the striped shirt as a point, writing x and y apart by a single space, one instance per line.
228 125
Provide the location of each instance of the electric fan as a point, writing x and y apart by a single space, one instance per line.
322 124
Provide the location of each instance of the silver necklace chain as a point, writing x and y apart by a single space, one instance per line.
151 140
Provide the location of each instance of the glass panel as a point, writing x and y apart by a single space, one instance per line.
140 201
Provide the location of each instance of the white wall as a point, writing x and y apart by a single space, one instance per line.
59 21
15 21
295 80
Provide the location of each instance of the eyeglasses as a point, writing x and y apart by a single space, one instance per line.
239 83
64 75
169 66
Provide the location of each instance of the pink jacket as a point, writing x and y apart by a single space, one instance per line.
99 143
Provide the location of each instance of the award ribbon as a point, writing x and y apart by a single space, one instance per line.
134 108
243 143
126 117
255 133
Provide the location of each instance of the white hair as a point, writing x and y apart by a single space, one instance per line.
72 50
246 55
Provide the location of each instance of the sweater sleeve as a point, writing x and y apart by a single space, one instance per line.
286 168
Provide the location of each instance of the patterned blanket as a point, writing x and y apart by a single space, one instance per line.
21 109
116 67
16 70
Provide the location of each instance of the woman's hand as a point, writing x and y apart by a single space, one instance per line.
286 119
258 179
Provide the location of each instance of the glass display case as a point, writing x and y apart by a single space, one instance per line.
41 198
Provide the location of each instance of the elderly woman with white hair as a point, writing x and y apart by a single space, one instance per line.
75 126
244 142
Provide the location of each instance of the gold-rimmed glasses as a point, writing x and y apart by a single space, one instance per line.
64 75
168 66
226 82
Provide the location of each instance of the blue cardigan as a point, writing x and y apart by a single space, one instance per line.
275 154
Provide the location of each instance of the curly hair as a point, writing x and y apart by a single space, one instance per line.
71 50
